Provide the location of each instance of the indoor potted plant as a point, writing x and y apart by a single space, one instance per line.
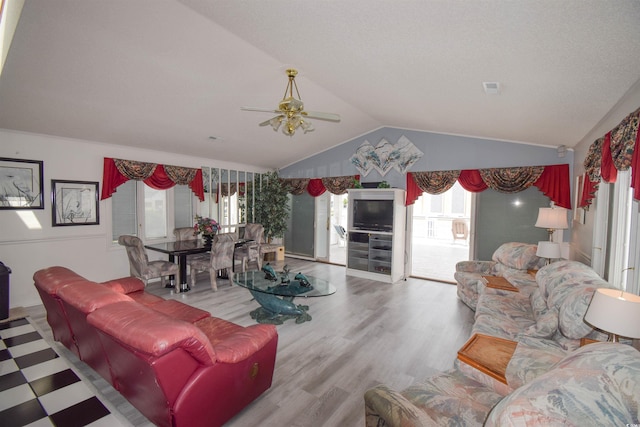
272 206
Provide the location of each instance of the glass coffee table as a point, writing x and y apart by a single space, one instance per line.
276 298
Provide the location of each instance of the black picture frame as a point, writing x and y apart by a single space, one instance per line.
21 184
74 203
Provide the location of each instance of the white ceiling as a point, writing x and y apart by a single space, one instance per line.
167 74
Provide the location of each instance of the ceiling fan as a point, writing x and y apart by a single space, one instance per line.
290 113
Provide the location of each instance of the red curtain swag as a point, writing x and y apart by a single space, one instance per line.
155 176
553 182
315 187
608 170
616 153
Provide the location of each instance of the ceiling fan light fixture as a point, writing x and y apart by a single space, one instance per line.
275 123
291 111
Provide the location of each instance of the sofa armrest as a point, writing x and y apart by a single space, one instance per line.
386 407
243 343
125 285
480 267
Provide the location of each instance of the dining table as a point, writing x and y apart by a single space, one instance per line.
180 250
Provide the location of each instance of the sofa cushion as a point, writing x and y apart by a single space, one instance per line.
520 256
125 285
598 384
532 358
151 332
451 398
233 343
178 310
560 272
89 296
546 318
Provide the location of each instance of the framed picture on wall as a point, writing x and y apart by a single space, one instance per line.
74 203
21 184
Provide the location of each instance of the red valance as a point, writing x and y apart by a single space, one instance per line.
155 176
608 170
589 189
553 182
315 187
614 152
556 184
471 180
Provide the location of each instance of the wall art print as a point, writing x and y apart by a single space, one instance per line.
74 203
386 156
21 185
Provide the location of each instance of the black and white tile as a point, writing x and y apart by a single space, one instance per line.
38 388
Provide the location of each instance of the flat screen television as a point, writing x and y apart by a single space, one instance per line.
374 215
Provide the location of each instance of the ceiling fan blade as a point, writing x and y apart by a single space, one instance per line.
262 110
322 116
268 122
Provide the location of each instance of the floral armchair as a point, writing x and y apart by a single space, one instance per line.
511 260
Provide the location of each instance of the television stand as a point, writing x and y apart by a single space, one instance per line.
373 253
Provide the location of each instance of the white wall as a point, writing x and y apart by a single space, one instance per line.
86 250
582 234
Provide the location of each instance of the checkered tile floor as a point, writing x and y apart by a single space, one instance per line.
37 388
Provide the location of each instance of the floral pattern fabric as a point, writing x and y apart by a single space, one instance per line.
296 186
511 180
511 260
450 398
596 385
338 184
436 182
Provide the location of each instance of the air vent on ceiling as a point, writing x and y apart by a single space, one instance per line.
491 88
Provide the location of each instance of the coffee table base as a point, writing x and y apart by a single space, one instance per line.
275 310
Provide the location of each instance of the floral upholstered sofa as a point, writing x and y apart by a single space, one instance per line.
596 385
512 260
549 379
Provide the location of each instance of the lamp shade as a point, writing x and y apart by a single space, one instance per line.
548 250
615 311
555 218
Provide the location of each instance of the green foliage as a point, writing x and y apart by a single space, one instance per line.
271 206
384 184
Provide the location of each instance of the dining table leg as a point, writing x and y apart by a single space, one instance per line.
172 278
182 265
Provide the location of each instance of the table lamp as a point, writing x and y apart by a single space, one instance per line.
615 312
552 219
548 250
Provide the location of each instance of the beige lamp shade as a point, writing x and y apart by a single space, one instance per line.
548 250
615 312
552 218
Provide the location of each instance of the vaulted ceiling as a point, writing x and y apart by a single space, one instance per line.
169 74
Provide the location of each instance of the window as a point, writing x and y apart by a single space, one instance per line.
140 210
123 210
155 213
183 211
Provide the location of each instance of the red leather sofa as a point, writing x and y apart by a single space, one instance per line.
177 364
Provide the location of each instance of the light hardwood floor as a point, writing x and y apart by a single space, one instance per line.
365 334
